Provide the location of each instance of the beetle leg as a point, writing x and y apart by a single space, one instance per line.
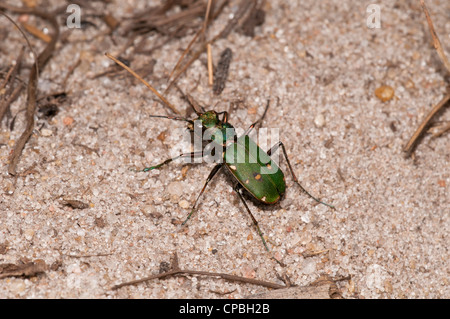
210 177
273 149
167 161
237 189
224 117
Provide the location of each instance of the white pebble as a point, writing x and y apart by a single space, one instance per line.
46 132
29 233
183 204
319 120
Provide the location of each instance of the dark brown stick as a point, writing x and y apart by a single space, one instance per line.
409 147
202 273
176 270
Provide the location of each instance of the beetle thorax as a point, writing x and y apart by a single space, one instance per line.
214 129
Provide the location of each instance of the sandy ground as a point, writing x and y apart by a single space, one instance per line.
390 229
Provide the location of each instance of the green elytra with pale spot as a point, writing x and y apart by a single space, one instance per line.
239 158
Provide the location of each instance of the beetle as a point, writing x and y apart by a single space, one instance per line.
252 169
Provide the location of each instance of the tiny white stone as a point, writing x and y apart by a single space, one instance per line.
319 120
46 132
183 204
29 233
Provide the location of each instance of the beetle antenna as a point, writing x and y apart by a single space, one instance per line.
175 118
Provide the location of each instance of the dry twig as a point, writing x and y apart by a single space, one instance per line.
421 129
40 62
10 94
177 271
409 147
436 42
166 102
29 269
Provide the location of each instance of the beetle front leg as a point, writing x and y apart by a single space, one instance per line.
210 177
167 161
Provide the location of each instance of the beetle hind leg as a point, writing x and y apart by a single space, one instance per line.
238 189
273 150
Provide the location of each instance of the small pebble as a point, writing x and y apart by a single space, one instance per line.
46 132
9 188
384 93
68 121
29 233
319 120
183 204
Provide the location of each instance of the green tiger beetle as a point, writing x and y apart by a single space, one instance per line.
251 167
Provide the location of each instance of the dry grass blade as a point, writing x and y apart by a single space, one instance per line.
323 288
184 53
442 130
193 58
202 32
208 12
210 65
36 32
162 98
22 32
158 19
436 42
40 61
9 95
244 8
409 147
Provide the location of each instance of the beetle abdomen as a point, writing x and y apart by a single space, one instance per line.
255 170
